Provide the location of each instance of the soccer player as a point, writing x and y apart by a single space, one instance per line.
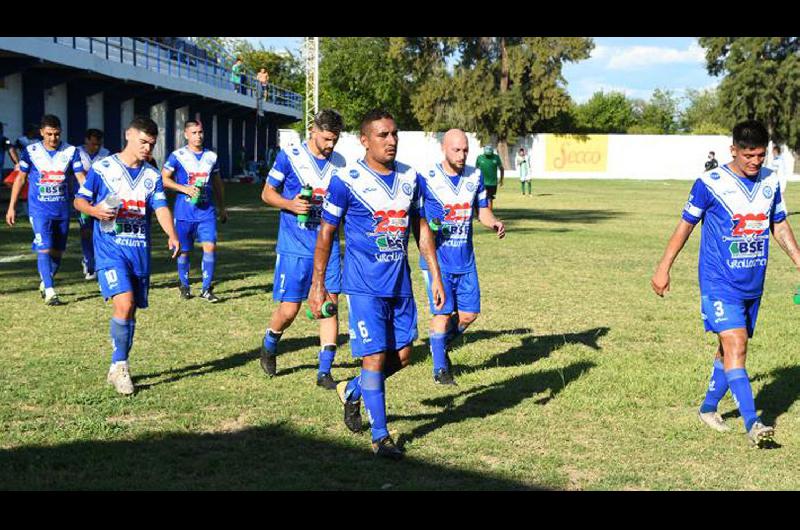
488 163
90 152
311 164
122 237
377 198
450 192
739 203
52 166
196 174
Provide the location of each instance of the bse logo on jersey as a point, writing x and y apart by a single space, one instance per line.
390 230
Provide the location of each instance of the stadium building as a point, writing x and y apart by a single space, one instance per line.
102 82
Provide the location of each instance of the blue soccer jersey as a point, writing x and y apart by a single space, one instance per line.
87 160
51 175
737 213
452 199
377 210
294 168
141 192
190 169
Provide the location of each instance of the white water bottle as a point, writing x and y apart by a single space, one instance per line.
111 202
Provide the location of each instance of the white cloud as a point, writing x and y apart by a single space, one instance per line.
638 57
587 87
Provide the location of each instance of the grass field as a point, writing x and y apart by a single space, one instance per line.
576 376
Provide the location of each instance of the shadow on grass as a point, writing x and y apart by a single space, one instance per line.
557 215
233 361
487 400
777 396
271 457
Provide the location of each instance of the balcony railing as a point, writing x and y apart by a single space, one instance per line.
198 66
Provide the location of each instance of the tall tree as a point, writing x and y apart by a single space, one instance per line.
659 115
500 87
761 81
610 112
704 114
357 74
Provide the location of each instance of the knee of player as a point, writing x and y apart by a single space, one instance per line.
289 311
465 319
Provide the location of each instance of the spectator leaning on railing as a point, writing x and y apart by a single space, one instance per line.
236 75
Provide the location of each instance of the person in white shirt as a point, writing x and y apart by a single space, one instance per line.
523 164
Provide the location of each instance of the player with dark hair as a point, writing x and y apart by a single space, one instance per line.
738 203
308 169
378 198
52 166
90 152
122 191
196 174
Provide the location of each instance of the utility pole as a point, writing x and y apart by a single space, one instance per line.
311 55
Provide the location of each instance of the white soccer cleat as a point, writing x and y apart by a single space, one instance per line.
41 289
91 276
120 377
713 420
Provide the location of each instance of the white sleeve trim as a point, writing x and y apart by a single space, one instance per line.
277 175
332 209
693 210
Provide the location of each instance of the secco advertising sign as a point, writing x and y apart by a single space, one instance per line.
576 153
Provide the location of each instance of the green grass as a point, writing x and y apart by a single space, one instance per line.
576 376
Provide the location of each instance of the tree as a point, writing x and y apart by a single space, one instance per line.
659 115
704 114
499 87
357 74
605 113
761 81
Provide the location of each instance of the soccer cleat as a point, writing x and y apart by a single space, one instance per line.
268 362
386 448
713 420
53 300
326 381
443 377
186 292
41 289
91 276
209 295
352 409
760 434
120 377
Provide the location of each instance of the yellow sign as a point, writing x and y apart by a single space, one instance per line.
575 153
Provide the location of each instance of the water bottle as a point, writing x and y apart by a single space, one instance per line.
199 183
306 192
111 202
328 310
435 224
797 295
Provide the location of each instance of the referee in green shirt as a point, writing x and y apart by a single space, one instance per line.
489 162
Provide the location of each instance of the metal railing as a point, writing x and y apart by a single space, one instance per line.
196 65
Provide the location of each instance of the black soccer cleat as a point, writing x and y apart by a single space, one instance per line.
186 292
210 296
326 381
449 362
386 448
269 362
443 377
53 300
352 409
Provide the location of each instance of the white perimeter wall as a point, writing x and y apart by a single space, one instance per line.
55 102
648 157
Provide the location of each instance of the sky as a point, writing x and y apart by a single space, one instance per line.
635 66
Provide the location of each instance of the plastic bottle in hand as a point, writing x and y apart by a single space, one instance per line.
111 202
306 192
328 310
199 183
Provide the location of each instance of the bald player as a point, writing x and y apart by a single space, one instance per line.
450 192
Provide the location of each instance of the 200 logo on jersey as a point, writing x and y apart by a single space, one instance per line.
390 230
749 224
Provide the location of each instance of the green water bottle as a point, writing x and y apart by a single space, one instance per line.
306 192
199 183
435 224
328 310
797 295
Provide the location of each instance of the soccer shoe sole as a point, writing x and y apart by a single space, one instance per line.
763 438
713 420
268 363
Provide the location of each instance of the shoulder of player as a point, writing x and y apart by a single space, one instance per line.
338 160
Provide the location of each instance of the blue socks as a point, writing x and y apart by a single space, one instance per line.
55 264
208 270
326 356
271 339
121 338
374 396
438 341
717 388
45 267
743 395
183 269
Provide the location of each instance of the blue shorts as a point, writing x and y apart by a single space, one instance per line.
381 324
121 279
293 275
462 291
720 314
86 224
201 231
49 233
